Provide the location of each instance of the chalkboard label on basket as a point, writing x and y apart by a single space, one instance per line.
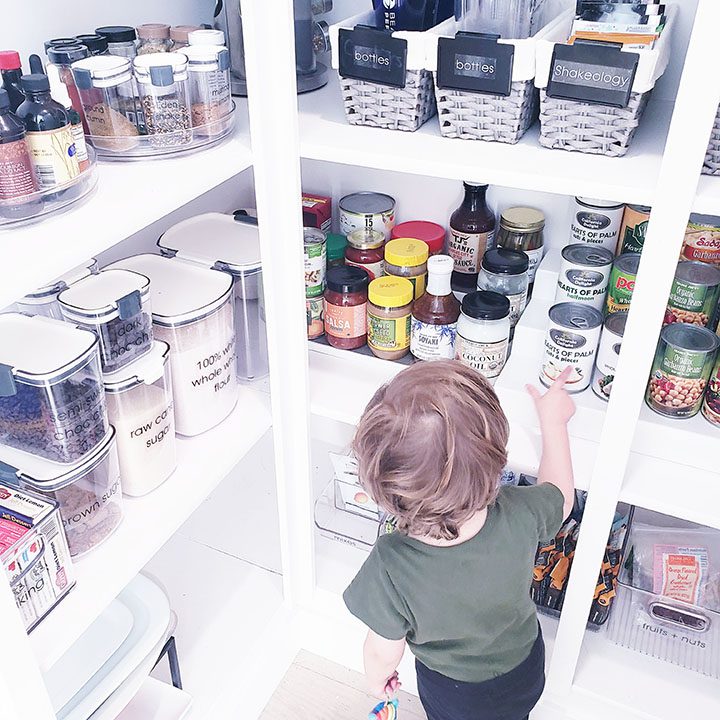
592 71
367 53
475 62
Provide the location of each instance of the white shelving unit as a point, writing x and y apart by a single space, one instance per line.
242 619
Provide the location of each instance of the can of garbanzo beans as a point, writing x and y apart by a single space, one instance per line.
694 295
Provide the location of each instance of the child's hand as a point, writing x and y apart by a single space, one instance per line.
389 688
555 407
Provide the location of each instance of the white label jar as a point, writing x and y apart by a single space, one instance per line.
584 275
483 333
506 272
596 222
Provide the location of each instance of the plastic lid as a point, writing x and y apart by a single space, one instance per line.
107 295
101 71
179 33
35 83
143 371
592 202
474 186
440 265
391 292
366 239
347 279
690 337
66 54
214 240
153 31
96 44
9 60
698 273
4 99
206 37
38 348
485 305
63 282
367 202
57 42
161 69
429 232
406 252
464 282
588 255
117 33
523 219
335 246
505 262
180 292
207 58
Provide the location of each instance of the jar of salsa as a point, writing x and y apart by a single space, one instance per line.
366 250
346 298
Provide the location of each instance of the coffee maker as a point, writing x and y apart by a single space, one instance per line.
311 40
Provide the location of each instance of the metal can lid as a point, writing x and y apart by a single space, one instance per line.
640 208
615 323
366 239
627 263
313 236
522 219
690 338
367 203
697 273
588 255
575 316
485 305
595 203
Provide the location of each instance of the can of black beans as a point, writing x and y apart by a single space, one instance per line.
608 354
584 275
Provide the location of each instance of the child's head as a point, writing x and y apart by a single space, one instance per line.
431 447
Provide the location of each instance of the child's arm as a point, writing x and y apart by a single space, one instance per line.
554 409
381 660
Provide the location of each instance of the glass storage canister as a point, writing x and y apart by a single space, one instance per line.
162 80
483 332
51 398
105 86
522 228
193 313
121 39
140 408
432 234
506 272
231 245
365 249
389 317
88 492
62 58
345 308
115 304
209 79
153 38
407 258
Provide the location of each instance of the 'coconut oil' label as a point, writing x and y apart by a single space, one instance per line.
485 357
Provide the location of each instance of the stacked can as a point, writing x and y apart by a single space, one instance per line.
315 271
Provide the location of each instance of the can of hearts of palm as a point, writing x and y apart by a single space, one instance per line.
596 222
608 354
584 275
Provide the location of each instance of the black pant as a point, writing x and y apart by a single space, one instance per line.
508 697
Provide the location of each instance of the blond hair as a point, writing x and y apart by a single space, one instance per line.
431 446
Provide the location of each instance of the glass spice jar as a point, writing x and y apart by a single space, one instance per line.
345 307
366 250
407 258
121 39
179 35
521 228
506 272
153 38
389 317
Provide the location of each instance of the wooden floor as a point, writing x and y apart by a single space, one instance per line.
317 689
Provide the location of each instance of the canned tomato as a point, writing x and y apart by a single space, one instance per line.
702 239
694 295
711 403
622 282
368 211
596 222
633 229
684 359
315 262
315 310
608 354
571 339
584 275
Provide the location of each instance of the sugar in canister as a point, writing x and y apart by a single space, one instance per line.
366 249
315 261
345 307
584 275
506 272
407 258
608 354
522 228
622 282
694 295
432 234
388 319
596 222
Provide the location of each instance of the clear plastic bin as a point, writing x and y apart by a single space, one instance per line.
209 77
88 493
115 304
223 243
193 313
140 408
52 402
335 520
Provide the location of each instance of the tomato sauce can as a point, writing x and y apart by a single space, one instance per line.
622 282
702 239
684 359
584 275
694 295
596 222
633 229
608 354
367 211
711 404
315 262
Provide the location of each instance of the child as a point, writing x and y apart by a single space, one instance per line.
453 582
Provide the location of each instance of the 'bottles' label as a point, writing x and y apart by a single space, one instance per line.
467 249
432 342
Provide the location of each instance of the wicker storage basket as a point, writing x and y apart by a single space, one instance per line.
589 128
711 166
392 108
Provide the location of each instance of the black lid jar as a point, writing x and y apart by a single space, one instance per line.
346 298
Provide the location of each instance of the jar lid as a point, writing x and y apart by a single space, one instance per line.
66 54
9 60
179 33
690 337
57 42
505 262
96 44
35 82
440 265
390 291
181 293
464 282
117 33
522 219
214 240
366 239
46 292
143 371
161 69
485 305
46 475
698 273
406 252
101 71
109 294
429 232
335 246
628 263
153 31
366 203
206 37
39 350
594 203
347 279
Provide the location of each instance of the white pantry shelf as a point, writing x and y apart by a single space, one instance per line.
150 521
326 135
129 197
707 199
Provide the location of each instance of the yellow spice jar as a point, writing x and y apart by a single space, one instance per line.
388 317
407 258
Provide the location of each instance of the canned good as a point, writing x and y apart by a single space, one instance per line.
315 310
634 227
684 359
702 239
694 295
622 282
584 275
711 404
315 262
596 222
608 354
571 339
367 210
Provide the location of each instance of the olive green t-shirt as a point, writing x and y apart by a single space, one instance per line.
465 610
